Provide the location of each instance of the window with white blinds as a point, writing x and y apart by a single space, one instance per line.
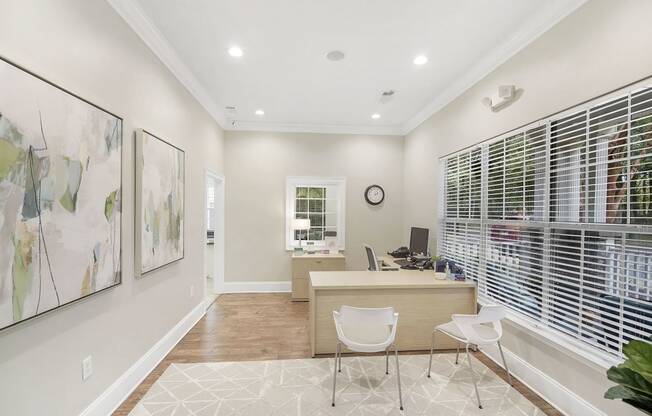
554 220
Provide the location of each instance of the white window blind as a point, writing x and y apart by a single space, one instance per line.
554 220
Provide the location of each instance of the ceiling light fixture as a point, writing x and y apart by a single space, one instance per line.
260 113
375 116
420 60
235 52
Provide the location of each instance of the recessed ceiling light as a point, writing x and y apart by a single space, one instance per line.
335 55
375 116
420 60
260 113
235 51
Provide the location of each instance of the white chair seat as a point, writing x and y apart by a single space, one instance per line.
484 331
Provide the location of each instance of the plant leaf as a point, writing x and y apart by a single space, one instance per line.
639 354
629 378
619 392
630 397
644 406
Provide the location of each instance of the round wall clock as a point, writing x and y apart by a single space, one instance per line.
374 194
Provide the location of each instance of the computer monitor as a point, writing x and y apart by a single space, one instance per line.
419 240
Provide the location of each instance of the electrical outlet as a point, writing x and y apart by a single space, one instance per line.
192 290
87 367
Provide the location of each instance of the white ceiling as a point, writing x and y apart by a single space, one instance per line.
284 70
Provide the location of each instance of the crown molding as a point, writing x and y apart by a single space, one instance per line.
236 125
537 27
136 18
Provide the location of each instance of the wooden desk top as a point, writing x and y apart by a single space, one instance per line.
318 256
402 279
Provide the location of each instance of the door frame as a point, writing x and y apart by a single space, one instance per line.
218 261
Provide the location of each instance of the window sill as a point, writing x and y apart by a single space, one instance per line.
567 345
291 249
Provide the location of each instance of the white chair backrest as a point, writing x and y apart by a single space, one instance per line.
371 258
366 329
350 315
469 324
491 313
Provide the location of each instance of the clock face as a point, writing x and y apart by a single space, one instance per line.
374 194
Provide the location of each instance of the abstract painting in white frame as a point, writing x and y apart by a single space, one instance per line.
160 203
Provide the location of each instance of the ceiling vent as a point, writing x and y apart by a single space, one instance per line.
335 55
386 96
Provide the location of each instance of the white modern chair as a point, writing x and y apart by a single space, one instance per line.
481 329
366 330
371 258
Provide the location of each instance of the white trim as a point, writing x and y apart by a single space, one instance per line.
218 239
258 287
237 125
118 392
136 18
535 28
542 384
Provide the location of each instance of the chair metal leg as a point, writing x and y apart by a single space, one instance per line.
337 353
339 361
432 347
475 383
509 377
398 378
457 356
387 361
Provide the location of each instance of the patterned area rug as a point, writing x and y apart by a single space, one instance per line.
303 387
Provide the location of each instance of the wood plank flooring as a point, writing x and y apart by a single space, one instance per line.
239 327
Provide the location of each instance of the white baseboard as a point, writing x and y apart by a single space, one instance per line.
118 392
257 287
545 386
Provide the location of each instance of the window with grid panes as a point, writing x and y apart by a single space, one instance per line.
562 234
322 201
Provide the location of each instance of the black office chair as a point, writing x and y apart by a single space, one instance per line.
371 258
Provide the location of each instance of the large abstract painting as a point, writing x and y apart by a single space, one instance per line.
160 182
60 195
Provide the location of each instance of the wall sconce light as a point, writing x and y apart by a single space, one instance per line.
506 95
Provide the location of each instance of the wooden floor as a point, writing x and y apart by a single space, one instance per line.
248 327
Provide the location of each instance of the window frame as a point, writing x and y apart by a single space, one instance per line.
294 182
456 243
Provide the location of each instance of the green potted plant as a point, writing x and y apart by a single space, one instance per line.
633 377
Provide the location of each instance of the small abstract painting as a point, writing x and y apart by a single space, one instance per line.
160 182
60 196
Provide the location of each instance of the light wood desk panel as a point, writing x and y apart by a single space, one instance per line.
421 301
305 263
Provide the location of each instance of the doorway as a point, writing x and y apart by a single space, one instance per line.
214 237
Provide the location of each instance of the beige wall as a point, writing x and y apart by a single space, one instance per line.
602 46
257 165
84 46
